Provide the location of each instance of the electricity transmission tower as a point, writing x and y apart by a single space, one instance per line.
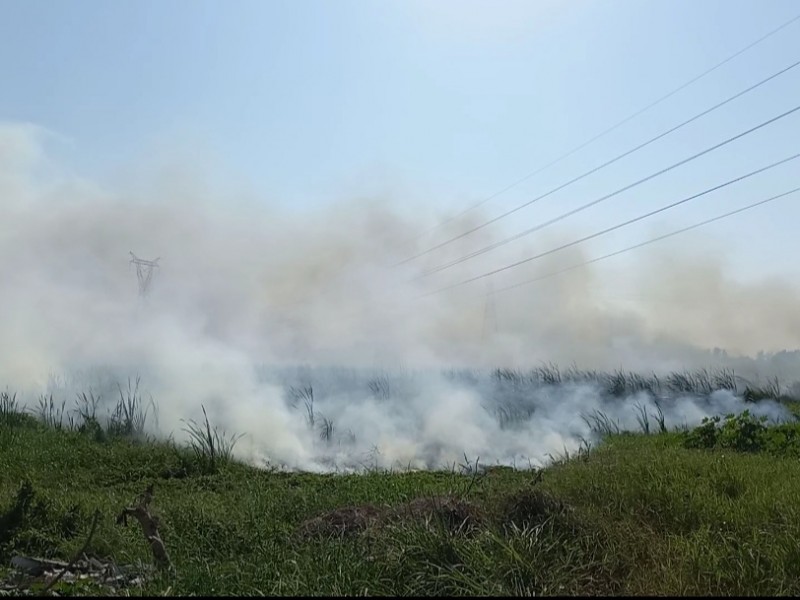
144 272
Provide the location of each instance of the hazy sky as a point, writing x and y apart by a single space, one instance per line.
438 103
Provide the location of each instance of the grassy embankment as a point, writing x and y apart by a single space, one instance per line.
712 511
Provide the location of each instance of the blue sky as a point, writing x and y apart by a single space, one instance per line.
437 103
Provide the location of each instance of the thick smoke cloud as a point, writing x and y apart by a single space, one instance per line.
242 284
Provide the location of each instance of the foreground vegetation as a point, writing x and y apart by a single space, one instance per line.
713 510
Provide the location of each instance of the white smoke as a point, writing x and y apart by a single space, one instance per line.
242 284
323 419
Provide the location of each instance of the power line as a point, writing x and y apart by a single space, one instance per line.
606 197
492 292
647 242
601 166
618 226
612 128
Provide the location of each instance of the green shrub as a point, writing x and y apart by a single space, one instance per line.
745 433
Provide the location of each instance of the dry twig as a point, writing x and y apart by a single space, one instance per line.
149 524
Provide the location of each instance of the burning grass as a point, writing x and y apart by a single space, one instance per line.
711 510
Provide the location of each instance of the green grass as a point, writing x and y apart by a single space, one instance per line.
637 515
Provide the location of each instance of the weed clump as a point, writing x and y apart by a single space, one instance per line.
340 522
532 507
452 514
456 515
31 523
211 446
745 433
12 414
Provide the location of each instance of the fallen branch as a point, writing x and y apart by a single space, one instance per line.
149 524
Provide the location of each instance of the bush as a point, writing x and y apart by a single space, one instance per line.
745 433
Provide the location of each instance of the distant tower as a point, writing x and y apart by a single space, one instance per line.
144 272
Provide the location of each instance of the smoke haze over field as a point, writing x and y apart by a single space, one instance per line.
242 284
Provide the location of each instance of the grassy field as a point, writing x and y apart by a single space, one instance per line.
709 511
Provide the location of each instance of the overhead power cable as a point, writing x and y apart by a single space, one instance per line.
606 197
612 128
599 167
647 242
400 310
617 226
